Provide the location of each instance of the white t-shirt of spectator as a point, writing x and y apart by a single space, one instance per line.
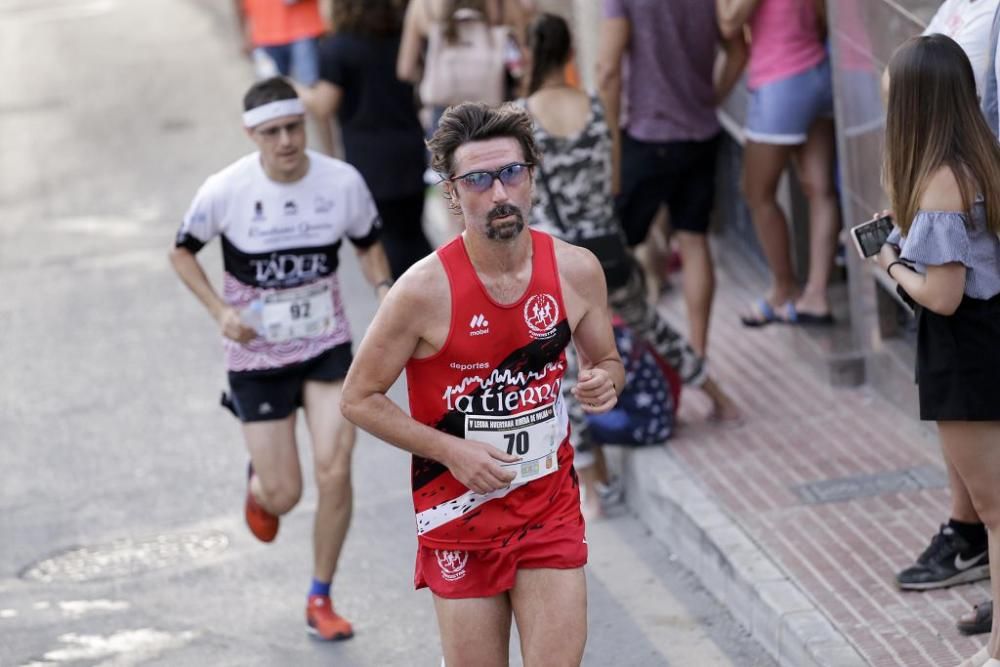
968 23
279 236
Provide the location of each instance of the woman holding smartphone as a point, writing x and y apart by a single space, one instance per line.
942 173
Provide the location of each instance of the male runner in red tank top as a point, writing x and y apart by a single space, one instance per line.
480 328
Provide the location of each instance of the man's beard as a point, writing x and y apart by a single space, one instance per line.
506 231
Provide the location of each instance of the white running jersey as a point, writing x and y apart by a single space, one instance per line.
278 236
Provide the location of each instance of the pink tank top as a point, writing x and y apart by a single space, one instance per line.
784 40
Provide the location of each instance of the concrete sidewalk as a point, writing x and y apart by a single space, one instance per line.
798 518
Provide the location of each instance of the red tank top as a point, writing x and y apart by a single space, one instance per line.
497 379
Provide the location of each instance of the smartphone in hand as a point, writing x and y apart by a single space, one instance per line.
870 236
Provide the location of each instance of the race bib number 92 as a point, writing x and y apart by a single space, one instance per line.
301 312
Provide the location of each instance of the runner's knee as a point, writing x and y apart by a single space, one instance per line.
333 479
279 497
335 464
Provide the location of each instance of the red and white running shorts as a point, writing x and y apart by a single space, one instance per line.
488 572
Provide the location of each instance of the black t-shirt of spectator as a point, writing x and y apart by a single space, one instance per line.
382 134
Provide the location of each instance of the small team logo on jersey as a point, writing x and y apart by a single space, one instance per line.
452 563
479 325
291 208
322 204
541 312
258 210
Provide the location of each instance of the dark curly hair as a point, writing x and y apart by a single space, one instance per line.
475 121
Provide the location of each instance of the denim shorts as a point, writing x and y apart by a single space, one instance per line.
782 111
299 60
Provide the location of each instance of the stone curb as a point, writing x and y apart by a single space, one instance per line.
731 566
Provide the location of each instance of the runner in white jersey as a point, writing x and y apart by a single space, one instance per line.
282 213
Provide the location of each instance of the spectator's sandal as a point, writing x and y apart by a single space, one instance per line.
977 622
793 316
763 313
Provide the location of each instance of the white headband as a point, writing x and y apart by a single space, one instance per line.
271 110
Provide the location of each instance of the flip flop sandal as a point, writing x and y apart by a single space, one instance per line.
767 314
806 319
980 622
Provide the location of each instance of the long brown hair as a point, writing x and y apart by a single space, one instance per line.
369 17
933 120
550 43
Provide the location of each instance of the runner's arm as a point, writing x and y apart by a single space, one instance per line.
189 270
375 266
602 374
390 341
613 42
733 15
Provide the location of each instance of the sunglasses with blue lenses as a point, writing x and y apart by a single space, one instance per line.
511 175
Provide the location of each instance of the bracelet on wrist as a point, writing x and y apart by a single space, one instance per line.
893 263
387 283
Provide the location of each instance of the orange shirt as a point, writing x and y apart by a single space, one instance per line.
275 22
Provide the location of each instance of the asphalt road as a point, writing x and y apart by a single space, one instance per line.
121 480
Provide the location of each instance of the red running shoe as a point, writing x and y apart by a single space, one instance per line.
262 523
324 622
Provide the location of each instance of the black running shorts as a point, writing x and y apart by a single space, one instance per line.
275 394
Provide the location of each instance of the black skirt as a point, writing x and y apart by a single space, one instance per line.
958 362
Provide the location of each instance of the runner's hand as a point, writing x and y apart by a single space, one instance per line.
595 390
233 327
475 464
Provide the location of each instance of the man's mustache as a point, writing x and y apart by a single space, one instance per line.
502 211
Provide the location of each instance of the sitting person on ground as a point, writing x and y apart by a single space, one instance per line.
645 415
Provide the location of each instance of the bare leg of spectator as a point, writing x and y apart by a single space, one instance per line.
814 162
652 255
763 165
971 447
699 286
962 508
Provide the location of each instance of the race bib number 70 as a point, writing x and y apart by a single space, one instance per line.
532 436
